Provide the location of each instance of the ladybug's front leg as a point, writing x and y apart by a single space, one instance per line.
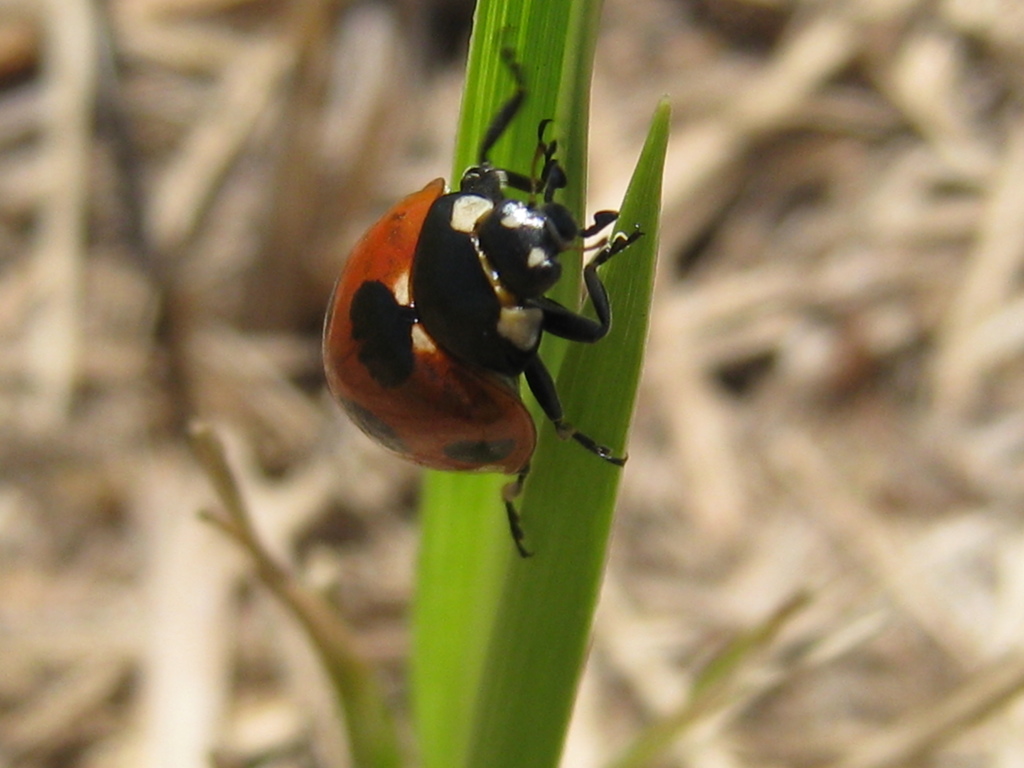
565 323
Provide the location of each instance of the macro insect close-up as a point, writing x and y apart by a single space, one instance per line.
441 307
326 329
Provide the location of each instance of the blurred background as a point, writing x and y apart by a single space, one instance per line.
831 410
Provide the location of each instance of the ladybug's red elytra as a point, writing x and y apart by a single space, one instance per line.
441 307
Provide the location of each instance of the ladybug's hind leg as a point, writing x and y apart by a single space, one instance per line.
543 387
509 494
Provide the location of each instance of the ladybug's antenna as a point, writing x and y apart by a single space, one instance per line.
509 109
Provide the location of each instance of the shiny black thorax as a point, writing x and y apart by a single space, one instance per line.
465 271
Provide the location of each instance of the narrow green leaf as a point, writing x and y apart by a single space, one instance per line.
465 559
544 616
463 555
465 546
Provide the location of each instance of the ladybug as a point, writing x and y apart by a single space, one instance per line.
440 309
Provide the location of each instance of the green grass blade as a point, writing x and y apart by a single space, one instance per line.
465 546
544 616
463 555
466 550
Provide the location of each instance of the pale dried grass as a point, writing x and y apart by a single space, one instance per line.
831 406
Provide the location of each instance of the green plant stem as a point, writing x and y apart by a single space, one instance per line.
542 626
473 599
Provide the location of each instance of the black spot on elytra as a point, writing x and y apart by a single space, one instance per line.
479 451
374 427
383 328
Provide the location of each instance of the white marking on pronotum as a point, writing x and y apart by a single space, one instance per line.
467 210
536 257
516 217
521 326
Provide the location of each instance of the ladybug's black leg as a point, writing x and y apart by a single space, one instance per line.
543 387
551 177
537 180
509 494
620 241
519 181
509 109
595 288
565 323
602 219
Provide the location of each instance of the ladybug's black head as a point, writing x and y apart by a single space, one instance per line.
563 226
484 180
522 244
